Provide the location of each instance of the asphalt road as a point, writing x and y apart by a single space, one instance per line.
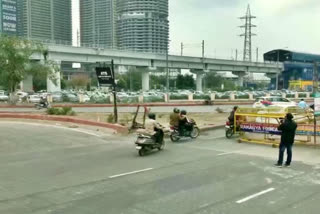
49 169
162 109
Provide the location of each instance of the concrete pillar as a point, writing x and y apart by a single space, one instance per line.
213 96
166 98
232 96
54 85
199 81
145 80
190 97
140 99
27 84
251 96
241 76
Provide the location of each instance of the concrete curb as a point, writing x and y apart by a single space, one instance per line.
131 105
116 127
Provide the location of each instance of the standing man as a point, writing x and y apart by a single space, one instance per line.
288 128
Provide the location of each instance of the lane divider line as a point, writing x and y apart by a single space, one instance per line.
255 195
130 173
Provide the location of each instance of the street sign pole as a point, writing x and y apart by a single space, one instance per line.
115 108
106 77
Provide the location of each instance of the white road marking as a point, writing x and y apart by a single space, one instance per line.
130 173
225 153
255 195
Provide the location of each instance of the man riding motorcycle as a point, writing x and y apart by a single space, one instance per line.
231 116
153 128
184 123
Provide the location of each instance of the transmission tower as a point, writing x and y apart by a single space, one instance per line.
247 50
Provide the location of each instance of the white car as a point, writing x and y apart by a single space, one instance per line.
263 102
34 99
3 96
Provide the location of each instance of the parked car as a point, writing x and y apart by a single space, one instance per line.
57 97
3 96
34 98
273 101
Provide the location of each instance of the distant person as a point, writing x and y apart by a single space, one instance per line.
175 117
302 104
288 128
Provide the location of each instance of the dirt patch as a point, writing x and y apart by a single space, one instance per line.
202 119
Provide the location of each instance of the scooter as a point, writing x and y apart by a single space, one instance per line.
175 135
42 105
145 144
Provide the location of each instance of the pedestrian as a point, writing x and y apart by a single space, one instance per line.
288 131
302 104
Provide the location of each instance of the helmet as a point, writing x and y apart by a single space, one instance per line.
176 110
152 116
289 116
235 108
183 112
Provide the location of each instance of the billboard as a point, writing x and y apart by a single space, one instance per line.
105 75
8 16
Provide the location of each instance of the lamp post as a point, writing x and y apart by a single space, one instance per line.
167 66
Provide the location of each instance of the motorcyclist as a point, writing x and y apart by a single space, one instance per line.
153 128
175 117
43 101
184 123
231 116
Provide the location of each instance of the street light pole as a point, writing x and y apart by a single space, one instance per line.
167 66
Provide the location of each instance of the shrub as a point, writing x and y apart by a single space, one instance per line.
61 111
110 118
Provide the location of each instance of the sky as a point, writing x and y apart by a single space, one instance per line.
286 24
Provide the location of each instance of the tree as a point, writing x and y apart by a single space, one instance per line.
185 82
80 81
214 81
16 63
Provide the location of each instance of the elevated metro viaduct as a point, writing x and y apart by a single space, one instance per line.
149 62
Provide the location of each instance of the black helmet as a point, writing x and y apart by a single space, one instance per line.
183 112
235 108
152 116
289 116
176 110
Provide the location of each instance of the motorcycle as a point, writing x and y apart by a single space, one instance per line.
175 135
229 130
145 144
42 105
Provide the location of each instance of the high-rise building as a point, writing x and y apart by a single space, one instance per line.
8 17
142 25
97 22
45 20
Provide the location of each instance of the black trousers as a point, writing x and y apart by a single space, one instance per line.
282 148
158 136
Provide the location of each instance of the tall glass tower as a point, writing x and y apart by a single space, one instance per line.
45 20
97 22
142 25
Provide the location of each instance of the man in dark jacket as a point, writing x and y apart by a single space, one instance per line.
288 128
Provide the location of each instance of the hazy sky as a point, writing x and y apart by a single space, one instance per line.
292 24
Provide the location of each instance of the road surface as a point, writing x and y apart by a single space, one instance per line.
50 169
